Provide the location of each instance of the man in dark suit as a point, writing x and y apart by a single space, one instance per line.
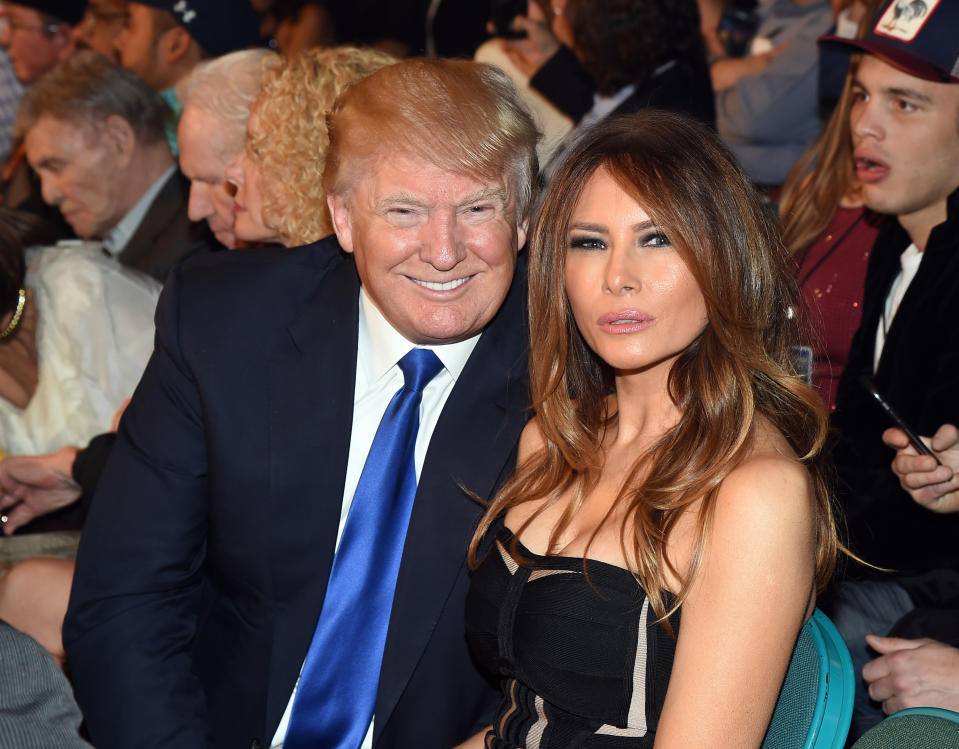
204 572
94 134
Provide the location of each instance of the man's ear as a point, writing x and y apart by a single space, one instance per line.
521 232
174 45
339 206
121 138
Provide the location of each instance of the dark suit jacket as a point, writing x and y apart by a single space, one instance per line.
918 373
683 87
205 558
166 233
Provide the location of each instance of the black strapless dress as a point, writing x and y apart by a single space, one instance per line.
583 662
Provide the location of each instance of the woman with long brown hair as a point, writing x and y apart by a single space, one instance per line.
829 232
644 574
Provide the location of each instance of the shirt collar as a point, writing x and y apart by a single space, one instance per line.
380 346
116 240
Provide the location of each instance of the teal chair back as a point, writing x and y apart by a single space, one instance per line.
916 728
815 704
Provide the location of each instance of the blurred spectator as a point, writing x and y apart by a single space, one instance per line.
100 27
293 26
607 57
38 34
10 92
94 134
280 197
216 99
767 108
163 40
829 232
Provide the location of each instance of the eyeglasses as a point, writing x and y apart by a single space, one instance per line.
13 25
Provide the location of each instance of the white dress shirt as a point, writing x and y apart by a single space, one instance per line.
378 378
909 266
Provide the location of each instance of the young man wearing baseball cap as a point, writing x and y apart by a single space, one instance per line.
163 40
905 130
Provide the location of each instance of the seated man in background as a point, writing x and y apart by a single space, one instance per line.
107 165
163 40
209 620
905 129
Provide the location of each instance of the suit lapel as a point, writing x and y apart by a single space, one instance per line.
311 411
164 210
471 447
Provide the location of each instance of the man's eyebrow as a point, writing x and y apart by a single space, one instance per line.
399 197
898 91
489 193
907 93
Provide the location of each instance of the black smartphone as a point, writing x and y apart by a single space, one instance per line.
914 440
504 11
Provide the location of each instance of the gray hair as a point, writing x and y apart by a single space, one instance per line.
226 87
87 89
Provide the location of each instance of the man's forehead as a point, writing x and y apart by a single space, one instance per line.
54 135
22 12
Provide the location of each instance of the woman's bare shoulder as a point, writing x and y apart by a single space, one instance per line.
532 440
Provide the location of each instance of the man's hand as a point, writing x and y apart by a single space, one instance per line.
33 485
912 673
934 487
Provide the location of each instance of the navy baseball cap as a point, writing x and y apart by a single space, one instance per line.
69 11
920 37
219 26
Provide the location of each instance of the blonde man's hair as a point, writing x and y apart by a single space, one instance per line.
462 116
288 137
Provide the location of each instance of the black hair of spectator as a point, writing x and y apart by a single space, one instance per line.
623 41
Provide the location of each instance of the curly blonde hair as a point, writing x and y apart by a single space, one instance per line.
288 138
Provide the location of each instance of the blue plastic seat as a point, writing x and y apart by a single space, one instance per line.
815 704
915 728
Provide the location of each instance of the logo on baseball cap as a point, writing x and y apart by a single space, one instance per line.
920 37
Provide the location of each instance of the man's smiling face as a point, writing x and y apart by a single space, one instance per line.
435 250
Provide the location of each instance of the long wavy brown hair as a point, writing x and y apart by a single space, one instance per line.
739 368
825 173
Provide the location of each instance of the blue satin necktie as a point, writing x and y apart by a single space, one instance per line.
337 692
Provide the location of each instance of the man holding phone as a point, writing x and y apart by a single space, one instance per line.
905 128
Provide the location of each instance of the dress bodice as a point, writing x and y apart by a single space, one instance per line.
581 658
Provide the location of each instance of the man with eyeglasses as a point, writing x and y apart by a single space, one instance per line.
38 34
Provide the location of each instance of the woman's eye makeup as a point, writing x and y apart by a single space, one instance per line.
582 242
654 239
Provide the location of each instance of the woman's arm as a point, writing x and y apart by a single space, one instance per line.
740 621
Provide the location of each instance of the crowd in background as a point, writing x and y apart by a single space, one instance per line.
141 138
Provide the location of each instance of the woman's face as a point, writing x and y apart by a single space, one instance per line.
248 202
632 295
